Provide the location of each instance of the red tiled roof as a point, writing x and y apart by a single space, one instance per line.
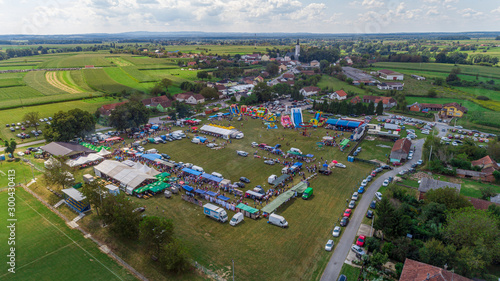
198 97
341 93
417 271
307 72
388 72
480 204
311 89
288 75
431 105
402 144
485 161
356 99
457 106
112 105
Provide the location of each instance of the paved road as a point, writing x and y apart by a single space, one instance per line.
334 266
25 144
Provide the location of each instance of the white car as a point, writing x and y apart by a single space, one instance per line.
358 250
210 145
20 153
378 195
354 196
254 144
454 143
364 183
329 245
340 165
242 153
385 183
336 231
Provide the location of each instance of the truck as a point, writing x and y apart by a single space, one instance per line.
215 212
277 220
307 193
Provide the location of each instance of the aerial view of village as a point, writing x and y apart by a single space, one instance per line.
250 140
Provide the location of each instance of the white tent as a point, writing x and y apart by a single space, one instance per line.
83 160
103 152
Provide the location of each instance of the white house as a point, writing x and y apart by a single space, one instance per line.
338 95
189 98
390 75
309 91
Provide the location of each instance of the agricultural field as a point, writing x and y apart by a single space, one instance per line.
18 93
121 77
482 71
118 61
46 248
336 84
12 80
78 60
38 80
99 80
138 75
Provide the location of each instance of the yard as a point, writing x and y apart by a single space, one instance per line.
260 251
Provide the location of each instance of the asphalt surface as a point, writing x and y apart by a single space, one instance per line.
343 247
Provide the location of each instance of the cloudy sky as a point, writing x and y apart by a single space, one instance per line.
315 16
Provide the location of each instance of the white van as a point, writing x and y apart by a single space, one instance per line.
198 168
295 150
152 151
277 220
272 178
196 140
217 175
237 218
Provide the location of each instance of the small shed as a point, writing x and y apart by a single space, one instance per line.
88 178
427 184
113 189
76 200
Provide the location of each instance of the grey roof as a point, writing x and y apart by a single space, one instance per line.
427 184
470 173
495 199
280 179
73 193
65 148
129 176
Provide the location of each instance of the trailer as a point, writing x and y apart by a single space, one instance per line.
215 212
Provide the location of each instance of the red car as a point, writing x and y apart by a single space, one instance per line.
347 212
373 174
361 240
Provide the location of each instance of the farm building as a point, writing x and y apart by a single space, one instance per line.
309 91
66 149
390 75
107 108
338 95
427 184
391 86
129 178
414 270
358 76
400 150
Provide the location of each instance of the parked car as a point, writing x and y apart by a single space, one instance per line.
336 231
385 183
240 184
139 209
358 250
361 189
165 156
342 277
364 183
269 162
373 204
369 214
340 165
361 240
344 221
378 195
354 196
242 153
352 204
347 212
245 180
329 245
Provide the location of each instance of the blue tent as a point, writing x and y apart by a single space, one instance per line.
202 139
298 164
151 157
200 191
343 123
155 127
226 114
309 155
223 198
213 116
210 177
188 188
211 193
191 171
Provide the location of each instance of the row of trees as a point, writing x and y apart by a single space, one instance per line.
155 233
446 231
348 108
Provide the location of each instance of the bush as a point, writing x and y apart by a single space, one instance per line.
372 244
482 98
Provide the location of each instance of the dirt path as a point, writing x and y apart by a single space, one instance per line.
51 77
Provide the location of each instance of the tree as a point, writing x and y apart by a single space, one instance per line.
202 75
262 91
209 93
378 259
449 197
323 64
66 126
436 253
165 83
129 115
10 147
487 192
58 173
272 68
385 216
118 213
380 108
33 117
94 192
371 108
372 244
174 257
156 232
432 93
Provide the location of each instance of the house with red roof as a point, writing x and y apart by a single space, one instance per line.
161 103
400 150
338 95
416 271
390 75
355 100
107 108
488 166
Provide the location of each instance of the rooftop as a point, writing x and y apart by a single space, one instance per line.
427 184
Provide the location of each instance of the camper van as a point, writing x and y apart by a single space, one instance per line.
152 151
277 220
198 168
180 133
217 175
293 149
196 140
272 178
237 218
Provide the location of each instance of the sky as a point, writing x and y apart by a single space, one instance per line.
254 16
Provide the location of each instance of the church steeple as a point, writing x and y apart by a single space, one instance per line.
297 50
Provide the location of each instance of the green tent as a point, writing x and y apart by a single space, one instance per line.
300 187
162 175
142 189
247 208
278 201
159 187
344 142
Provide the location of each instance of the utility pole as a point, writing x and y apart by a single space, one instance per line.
233 268
430 153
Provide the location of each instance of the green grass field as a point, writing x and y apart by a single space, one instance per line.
37 80
99 80
79 80
483 71
261 251
11 80
336 84
17 94
46 249
137 74
121 77
371 149
351 272
76 60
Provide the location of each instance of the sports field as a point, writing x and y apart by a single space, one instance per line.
47 249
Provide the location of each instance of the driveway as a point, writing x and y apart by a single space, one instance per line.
340 253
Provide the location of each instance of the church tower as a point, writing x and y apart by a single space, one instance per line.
297 50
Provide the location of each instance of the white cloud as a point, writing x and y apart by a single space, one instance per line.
468 13
368 4
497 10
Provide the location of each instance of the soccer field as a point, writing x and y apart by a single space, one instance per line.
47 249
